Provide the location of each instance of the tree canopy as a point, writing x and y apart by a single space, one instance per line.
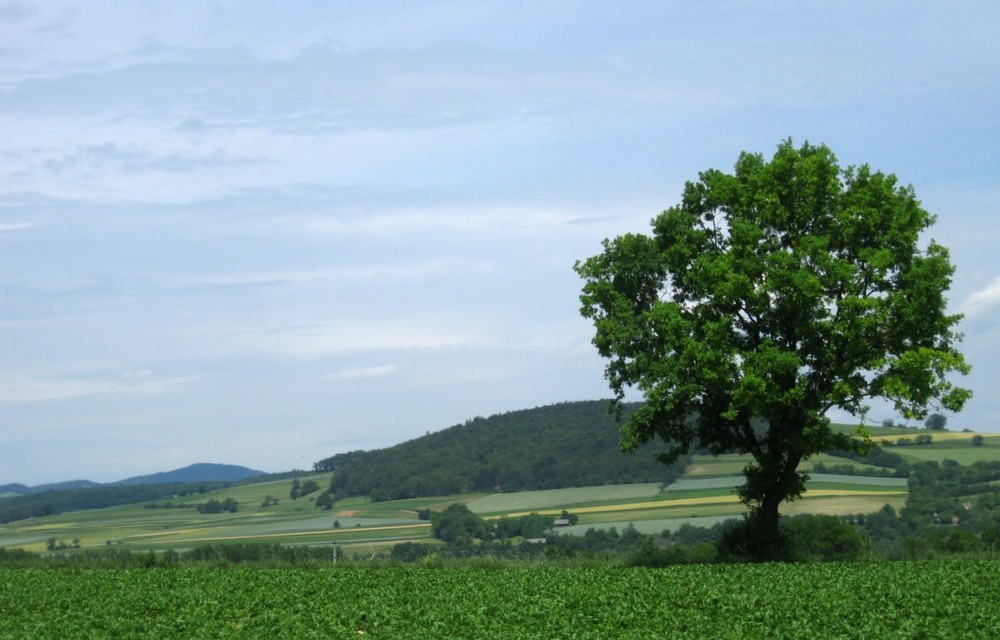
766 298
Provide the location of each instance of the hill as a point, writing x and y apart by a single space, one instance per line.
199 472
18 489
63 497
563 445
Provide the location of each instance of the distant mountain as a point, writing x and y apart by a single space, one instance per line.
17 489
22 502
571 444
199 472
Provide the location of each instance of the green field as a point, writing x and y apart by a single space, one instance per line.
562 498
928 600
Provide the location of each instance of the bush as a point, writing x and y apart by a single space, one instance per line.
953 540
824 538
410 551
750 540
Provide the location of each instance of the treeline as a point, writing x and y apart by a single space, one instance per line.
888 464
217 555
63 500
565 445
950 508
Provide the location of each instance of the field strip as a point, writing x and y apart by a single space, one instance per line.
686 502
296 534
939 436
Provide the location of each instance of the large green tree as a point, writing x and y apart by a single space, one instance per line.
767 298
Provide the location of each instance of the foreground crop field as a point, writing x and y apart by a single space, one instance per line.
942 599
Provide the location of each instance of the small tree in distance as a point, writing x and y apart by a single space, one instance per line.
936 422
765 299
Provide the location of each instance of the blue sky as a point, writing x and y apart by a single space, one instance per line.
263 233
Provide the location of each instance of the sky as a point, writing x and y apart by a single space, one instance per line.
263 233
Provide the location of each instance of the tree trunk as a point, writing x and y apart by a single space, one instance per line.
765 540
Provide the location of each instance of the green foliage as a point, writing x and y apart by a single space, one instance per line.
752 539
217 506
65 500
936 422
564 445
978 440
530 526
325 501
410 551
766 298
457 525
309 486
825 538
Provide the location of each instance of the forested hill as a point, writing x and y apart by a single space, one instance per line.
199 472
562 445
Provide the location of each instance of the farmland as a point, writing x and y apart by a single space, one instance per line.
702 496
357 523
939 599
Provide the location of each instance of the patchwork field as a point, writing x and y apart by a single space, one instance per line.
704 495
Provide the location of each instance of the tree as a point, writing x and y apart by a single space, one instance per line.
457 525
307 487
978 440
296 489
325 501
936 422
765 299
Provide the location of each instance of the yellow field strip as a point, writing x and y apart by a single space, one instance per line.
687 502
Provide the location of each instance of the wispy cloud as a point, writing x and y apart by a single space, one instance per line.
368 273
362 373
38 389
15 226
984 299
356 334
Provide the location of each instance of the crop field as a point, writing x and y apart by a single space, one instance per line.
939 599
562 498
965 454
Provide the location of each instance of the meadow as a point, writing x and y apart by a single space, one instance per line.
930 599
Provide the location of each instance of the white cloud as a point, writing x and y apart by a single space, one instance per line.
362 373
982 300
355 334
